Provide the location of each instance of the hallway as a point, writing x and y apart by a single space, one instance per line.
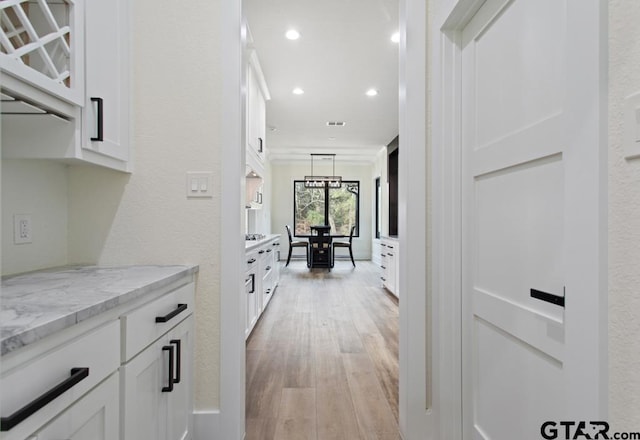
322 363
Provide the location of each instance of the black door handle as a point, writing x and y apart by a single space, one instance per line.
77 375
181 308
548 297
178 345
100 120
169 387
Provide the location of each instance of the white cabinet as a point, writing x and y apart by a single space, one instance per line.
94 126
64 373
157 382
261 279
256 114
105 117
389 252
94 417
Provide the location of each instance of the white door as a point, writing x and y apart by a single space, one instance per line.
531 210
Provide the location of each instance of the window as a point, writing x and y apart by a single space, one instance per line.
335 207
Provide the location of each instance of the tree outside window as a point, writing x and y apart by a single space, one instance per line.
335 207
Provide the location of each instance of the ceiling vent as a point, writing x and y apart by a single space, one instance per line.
336 124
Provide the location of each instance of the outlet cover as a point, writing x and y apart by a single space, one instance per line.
22 229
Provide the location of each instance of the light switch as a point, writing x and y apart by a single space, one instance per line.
199 184
632 126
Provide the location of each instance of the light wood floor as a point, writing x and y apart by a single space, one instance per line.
322 363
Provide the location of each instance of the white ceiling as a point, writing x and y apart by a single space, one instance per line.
344 50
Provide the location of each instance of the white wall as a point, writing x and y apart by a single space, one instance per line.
145 217
624 222
282 176
38 188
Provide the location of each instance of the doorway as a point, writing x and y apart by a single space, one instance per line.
416 417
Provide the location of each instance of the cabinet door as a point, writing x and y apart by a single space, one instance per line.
107 78
180 400
94 417
250 293
144 409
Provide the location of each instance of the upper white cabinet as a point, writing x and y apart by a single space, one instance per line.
88 122
257 95
42 49
106 112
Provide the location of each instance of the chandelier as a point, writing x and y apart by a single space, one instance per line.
313 181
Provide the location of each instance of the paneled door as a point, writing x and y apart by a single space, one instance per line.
531 210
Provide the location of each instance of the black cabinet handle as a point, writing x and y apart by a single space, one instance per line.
267 292
269 250
383 278
261 252
382 255
547 297
169 387
253 283
251 261
178 345
390 247
268 268
383 267
77 375
181 308
100 119
259 145
391 255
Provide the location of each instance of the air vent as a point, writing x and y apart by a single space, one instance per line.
336 124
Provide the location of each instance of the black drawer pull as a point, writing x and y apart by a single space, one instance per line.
169 387
389 254
251 261
268 268
261 251
77 375
382 255
548 297
253 283
181 308
383 267
390 247
178 345
383 278
269 250
100 119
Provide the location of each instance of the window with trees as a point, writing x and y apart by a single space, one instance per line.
335 207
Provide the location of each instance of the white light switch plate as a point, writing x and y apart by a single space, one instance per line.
632 126
199 184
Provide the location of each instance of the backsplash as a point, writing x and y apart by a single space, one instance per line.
37 188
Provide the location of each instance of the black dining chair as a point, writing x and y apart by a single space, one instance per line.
345 244
293 244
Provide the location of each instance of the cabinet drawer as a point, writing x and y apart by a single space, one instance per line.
147 323
252 260
98 351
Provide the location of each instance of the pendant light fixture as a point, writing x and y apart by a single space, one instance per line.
313 181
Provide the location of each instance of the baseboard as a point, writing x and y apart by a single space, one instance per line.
206 425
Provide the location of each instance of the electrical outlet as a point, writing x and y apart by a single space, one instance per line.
22 229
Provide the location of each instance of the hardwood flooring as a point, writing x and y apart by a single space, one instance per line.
322 362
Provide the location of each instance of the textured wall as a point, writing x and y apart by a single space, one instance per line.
38 188
284 173
145 217
624 222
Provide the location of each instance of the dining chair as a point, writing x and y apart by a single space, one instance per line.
293 244
345 244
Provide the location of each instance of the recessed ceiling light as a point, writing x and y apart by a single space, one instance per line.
395 37
298 91
292 34
372 92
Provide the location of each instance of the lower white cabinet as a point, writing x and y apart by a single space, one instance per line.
157 386
389 257
157 382
94 417
261 279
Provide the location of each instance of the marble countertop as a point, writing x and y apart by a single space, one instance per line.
35 304
252 244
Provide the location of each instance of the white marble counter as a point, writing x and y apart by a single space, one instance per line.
252 244
36 304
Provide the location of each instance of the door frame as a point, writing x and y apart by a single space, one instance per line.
448 21
417 328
